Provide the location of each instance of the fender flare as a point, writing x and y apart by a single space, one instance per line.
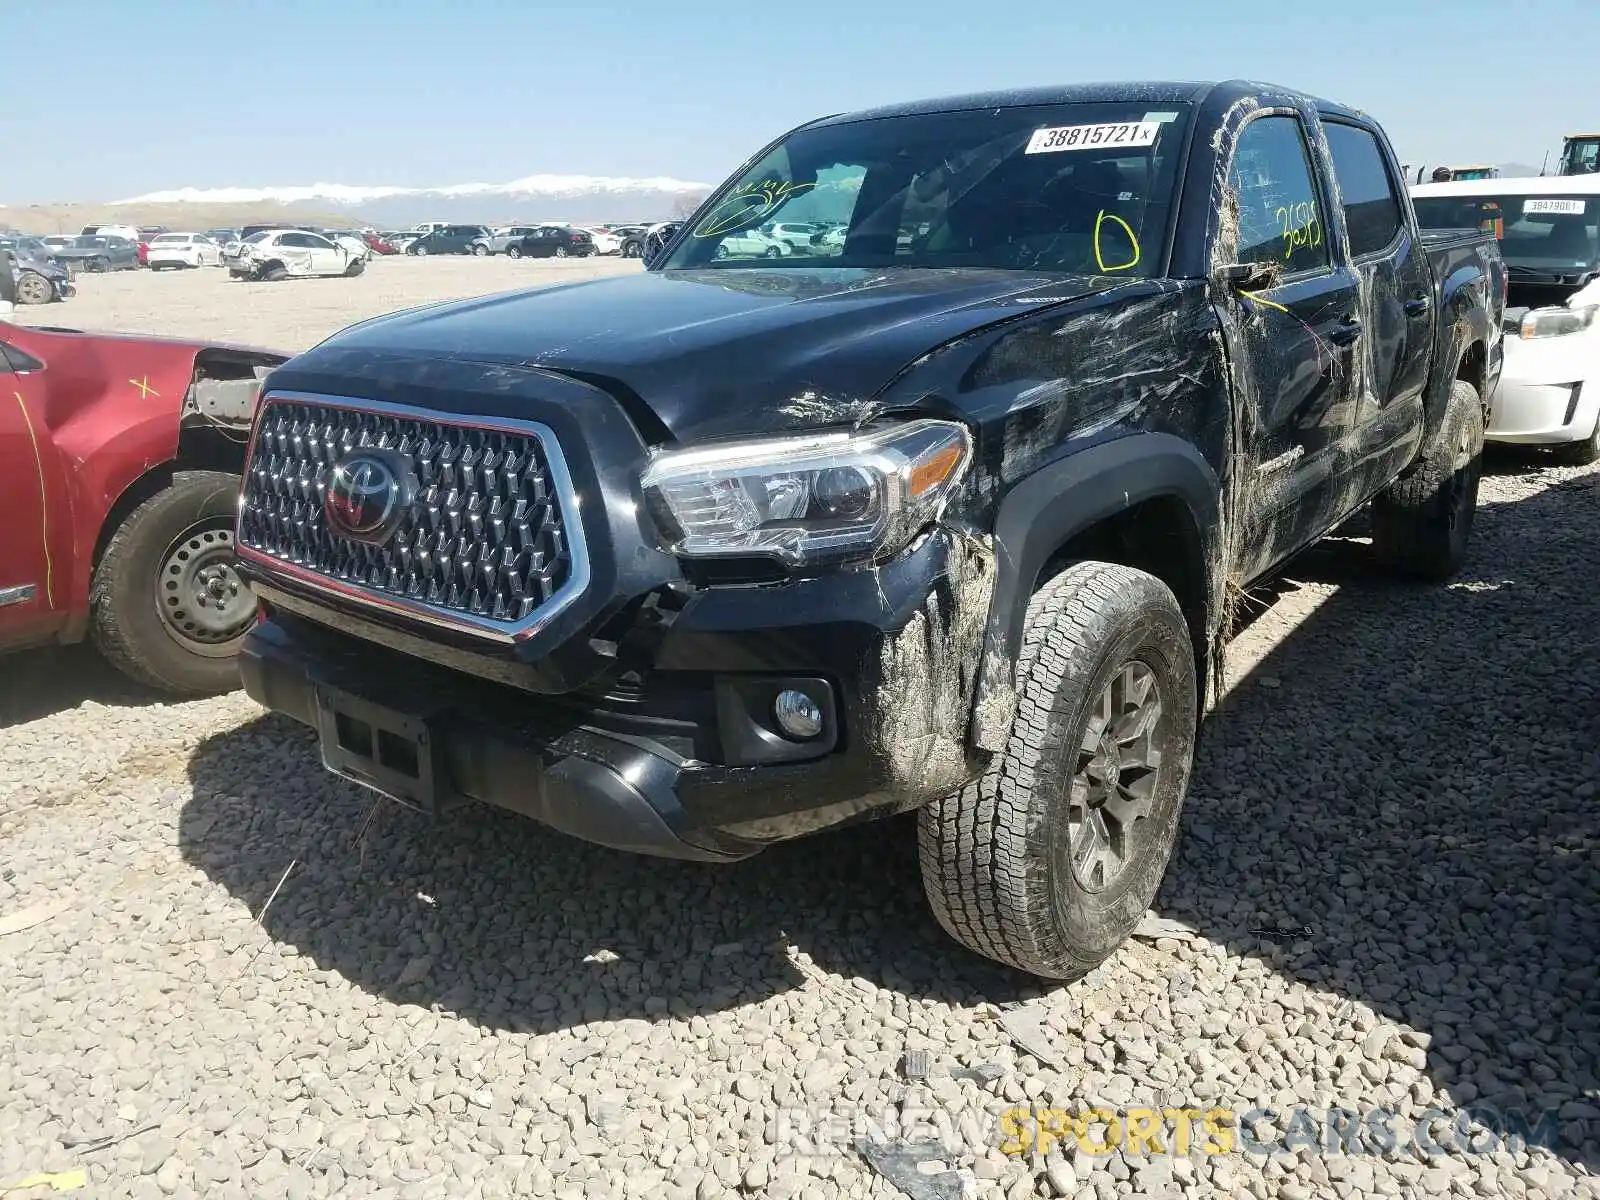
1056 504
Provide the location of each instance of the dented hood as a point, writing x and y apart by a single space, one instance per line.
717 352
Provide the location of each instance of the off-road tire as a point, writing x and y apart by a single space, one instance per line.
1422 523
34 288
124 623
994 854
1580 453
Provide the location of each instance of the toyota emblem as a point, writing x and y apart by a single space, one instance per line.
365 497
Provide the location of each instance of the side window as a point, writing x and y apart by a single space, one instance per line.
1280 214
317 243
1371 205
297 241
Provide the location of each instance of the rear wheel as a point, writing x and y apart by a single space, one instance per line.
774 252
167 607
420 251
275 273
561 251
513 251
1422 522
1049 860
34 288
479 249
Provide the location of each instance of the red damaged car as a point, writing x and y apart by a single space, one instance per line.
119 478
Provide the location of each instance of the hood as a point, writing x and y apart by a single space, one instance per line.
718 352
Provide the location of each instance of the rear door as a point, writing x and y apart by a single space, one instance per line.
295 251
1397 301
1291 358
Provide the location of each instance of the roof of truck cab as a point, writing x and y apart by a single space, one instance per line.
1137 92
1526 185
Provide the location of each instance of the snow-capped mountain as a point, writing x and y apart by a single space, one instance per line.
536 197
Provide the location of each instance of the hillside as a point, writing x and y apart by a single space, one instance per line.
69 218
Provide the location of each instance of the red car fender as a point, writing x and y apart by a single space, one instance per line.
110 414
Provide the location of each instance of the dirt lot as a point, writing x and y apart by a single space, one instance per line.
296 313
227 974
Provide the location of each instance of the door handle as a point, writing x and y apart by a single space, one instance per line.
1418 305
1345 332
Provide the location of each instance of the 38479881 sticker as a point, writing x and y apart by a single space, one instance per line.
1056 138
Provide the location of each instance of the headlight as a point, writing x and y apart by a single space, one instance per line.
1554 322
804 500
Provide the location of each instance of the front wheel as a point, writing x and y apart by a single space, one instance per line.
1422 522
34 288
1573 454
480 250
774 252
420 252
357 265
513 251
561 251
166 606
1049 860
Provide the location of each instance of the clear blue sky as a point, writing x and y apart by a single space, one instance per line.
110 98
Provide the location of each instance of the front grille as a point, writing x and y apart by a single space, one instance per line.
483 536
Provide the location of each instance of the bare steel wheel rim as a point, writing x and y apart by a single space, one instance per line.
1115 785
205 607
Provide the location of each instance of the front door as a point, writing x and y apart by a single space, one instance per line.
1292 347
1396 307
34 533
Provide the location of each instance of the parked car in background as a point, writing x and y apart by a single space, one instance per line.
284 253
449 239
58 241
379 244
796 235
223 236
1549 235
955 530
552 241
497 239
183 250
605 242
119 477
352 240
126 232
38 276
752 243
648 239
97 252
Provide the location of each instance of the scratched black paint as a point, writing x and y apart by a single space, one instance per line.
1086 394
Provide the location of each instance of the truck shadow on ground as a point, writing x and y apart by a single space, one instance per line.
40 683
1421 794
1414 781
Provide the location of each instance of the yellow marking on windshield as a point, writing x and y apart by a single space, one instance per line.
1099 257
749 202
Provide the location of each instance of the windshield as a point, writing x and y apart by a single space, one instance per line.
1536 232
1084 188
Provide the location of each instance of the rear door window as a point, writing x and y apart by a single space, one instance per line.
1280 215
1371 200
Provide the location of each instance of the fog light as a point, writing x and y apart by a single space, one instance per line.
798 715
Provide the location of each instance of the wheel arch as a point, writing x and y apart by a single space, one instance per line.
1148 501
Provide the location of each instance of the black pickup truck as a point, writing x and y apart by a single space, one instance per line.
945 518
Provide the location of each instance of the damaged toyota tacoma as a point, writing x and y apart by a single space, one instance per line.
946 514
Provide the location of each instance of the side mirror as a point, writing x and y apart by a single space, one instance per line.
1246 277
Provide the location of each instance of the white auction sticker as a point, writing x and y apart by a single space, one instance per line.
1092 137
1560 208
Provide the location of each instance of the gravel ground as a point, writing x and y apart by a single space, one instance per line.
264 986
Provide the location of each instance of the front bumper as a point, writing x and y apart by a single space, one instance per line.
1549 391
684 760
